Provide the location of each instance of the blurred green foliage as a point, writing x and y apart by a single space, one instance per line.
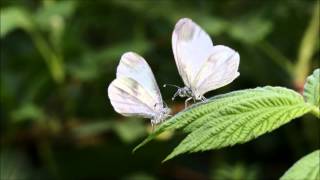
58 57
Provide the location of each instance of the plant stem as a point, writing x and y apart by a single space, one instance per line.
276 56
52 60
307 49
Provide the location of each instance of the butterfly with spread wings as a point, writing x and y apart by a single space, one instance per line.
135 92
202 66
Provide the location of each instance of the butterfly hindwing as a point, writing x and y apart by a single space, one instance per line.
218 70
129 98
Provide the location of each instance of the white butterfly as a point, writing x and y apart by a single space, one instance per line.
135 92
202 66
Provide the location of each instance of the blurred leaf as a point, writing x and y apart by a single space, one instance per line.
13 18
92 129
307 167
250 30
139 176
233 118
235 172
213 25
13 166
28 111
164 9
94 63
312 88
130 130
50 14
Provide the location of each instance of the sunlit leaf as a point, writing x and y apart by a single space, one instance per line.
233 118
307 167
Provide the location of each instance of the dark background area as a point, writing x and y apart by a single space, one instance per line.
58 58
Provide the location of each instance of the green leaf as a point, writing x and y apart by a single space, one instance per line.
91 64
139 176
28 111
238 170
233 118
311 91
130 130
13 18
213 25
53 13
250 30
306 168
93 128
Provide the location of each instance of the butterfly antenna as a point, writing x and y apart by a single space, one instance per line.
172 85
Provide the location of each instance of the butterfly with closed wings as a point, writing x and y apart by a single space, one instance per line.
202 66
135 92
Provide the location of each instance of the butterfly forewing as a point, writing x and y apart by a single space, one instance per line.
134 66
191 47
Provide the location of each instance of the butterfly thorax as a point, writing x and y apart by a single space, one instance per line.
184 92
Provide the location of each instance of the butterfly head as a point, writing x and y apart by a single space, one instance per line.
183 92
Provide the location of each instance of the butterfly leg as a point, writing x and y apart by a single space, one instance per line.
186 102
203 99
175 95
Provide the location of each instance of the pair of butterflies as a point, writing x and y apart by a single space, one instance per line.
202 66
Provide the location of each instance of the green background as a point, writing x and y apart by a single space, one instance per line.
58 58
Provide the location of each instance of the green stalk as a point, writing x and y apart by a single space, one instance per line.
276 56
307 49
54 63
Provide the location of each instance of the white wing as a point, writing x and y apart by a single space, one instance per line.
191 48
129 98
220 69
134 66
